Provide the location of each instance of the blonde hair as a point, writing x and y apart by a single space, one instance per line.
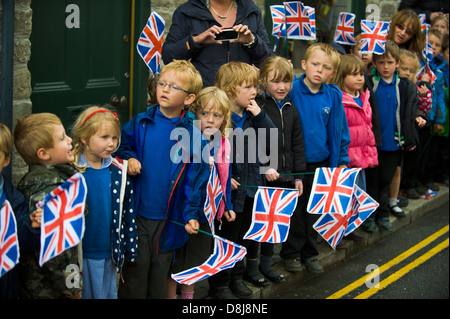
438 18
33 132
220 101
233 74
5 140
86 125
405 54
350 63
281 68
328 49
187 70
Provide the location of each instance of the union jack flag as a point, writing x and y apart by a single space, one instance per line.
345 29
62 223
312 21
423 21
278 17
9 246
373 36
332 227
363 206
427 70
226 254
332 190
150 42
272 211
298 25
427 52
214 195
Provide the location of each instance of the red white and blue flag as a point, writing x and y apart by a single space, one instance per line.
332 190
312 21
345 29
423 21
427 52
427 70
272 211
214 195
373 36
363 206
332 227
150 42
298 25
226 254
62 225
278 20
9 246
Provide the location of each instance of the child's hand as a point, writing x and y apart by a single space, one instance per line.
234 184
36 218
420 121
423 91
299 185
272 175
230 215
253 108
134 167
192 226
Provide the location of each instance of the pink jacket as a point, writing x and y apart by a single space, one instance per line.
362 150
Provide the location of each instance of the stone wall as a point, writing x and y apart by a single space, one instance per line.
387 8
22 76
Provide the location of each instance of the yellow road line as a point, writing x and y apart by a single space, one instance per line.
398 274
361 281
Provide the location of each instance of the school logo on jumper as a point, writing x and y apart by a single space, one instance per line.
150 42
9 246
62 225
272 211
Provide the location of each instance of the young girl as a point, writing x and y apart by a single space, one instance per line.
276 77
212 109
110 233
362 115
405 31
440 23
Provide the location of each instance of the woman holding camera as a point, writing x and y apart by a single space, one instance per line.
197 33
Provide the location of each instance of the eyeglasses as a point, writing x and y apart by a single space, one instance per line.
401 27
172 87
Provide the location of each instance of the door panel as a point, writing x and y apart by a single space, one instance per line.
74 68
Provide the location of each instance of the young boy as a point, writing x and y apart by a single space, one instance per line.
168 176
239 81
9 282
43 144
326 135
398 130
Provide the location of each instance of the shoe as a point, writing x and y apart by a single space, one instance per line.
293 265
273 276
369 225
411 193
397 211
258 282
384 224
221 293
402 201
239 289
313 265
355 236
432 186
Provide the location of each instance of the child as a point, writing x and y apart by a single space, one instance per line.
168 176
212 110
239 81
110 232
437 114
43 144
405 31
276 77
326 135
440 23
398 131
408 68
9 282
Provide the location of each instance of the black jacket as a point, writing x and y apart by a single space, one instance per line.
291 150
193 18
427 7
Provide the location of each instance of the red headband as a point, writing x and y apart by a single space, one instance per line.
87 117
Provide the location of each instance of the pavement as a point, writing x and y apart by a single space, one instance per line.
415 209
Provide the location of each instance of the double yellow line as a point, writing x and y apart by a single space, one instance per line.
393 262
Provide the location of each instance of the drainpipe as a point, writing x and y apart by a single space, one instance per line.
6 109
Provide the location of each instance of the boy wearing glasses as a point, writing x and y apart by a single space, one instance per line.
167 177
